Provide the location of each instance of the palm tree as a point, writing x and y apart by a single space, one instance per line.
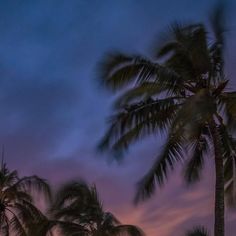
43 225
17 208
78 211
197 231
182 92
80 204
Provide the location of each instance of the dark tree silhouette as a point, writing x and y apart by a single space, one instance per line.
17 209
78 211
182 92
198 231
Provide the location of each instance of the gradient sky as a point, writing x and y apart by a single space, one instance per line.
53 111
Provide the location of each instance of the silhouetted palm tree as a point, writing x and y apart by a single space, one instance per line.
198 231
182 92
48 226
17 209
78 211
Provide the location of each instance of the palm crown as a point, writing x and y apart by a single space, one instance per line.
197 231
78 211
183 92
184 95
17 209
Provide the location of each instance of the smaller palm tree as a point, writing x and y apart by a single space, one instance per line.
17 209
198 231
78 211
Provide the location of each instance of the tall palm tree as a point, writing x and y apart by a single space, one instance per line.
17 207
182 92
78 211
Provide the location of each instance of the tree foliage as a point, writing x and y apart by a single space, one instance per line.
78 211
180 91
17 206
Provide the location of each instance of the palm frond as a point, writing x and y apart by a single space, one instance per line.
42 227
228 101
138 120
228 142
172 153
34 183
198 231
218 25
28 213
118 70
140 92
17 227
186 51
78 190
8 178
218 22
110 220
197 109
228 148
136 70
77 201
195 164
173 38
4 225
72 229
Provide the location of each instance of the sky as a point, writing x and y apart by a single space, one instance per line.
53 111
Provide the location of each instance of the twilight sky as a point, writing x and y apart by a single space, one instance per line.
53 112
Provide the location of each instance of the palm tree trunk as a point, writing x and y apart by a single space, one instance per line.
219 184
